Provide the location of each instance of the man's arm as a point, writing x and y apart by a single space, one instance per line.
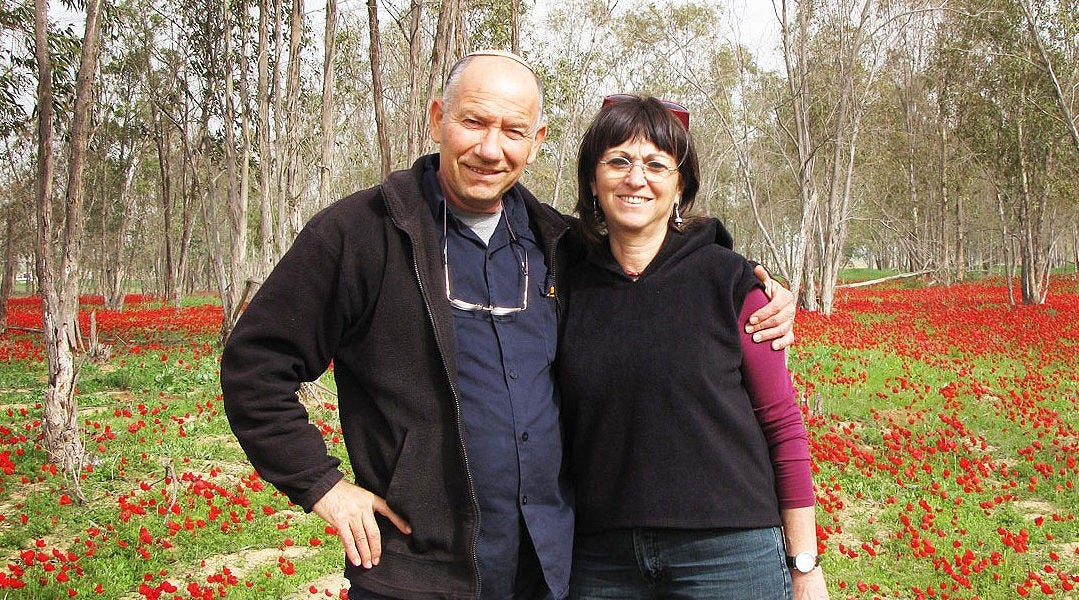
775 321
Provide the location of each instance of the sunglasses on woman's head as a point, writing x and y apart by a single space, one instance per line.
680 112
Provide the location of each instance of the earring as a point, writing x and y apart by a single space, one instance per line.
677 216
595 208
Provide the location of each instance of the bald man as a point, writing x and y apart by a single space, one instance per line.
434 295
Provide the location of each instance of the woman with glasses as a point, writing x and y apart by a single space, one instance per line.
684 438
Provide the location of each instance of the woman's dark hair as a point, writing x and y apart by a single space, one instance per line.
632 117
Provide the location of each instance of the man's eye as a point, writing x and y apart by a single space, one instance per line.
515 134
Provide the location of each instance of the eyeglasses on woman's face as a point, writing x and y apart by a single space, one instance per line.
654 170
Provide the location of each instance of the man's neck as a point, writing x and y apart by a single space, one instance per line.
482 224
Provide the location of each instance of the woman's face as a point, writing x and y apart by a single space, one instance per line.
637 201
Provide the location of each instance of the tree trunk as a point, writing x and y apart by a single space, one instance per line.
1032 213
162 145
288 220
328 109
117 266
266 157
515 26
1075 251
376 89
60 427
281 138
1006 247
189 195
7 278
441 51
796 60
417 115
236 205
848 116
245 136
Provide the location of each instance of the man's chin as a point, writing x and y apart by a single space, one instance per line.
483 198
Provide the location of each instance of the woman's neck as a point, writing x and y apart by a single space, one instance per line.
635 252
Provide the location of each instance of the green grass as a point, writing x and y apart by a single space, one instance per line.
133 409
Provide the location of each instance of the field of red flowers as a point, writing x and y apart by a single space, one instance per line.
944 426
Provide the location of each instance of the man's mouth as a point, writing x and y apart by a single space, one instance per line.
482 172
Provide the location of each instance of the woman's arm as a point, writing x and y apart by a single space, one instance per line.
768 382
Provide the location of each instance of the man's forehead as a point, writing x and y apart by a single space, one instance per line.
498 92
490 105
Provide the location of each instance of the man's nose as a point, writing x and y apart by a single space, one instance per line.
490 146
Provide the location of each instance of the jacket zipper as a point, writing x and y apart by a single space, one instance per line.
551 286
457 409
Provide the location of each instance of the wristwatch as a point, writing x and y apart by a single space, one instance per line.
803 562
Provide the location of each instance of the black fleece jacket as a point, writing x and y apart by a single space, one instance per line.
362 286
660 429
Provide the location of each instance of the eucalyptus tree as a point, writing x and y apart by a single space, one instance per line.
822 117
120 144
172 129
58 276
295 134
912 217
1009 118
17 70
329 79
377 91
574 62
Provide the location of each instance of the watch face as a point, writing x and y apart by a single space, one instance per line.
805 562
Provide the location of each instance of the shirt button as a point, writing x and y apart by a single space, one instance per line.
524 437
524 499
513 374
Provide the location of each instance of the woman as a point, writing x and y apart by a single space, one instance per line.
685 441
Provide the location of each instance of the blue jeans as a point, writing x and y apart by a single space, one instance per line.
686 564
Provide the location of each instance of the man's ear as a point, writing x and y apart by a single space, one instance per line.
541 134
434 120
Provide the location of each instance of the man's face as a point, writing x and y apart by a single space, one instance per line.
487 129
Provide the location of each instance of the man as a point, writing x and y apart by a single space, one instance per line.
434 296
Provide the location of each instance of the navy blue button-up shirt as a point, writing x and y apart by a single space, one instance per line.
509 403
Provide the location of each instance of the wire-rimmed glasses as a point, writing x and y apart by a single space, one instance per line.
496 311
654 170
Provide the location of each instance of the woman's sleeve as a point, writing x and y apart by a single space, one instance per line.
768 382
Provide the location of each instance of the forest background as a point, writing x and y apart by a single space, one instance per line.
176 147
920 135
